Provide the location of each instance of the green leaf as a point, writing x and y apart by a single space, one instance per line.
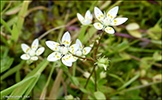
21 17
12 70
82 32
75 80
129 82
84 90
6 26
88 35
14 34
117 77
99 95
2 3
6 63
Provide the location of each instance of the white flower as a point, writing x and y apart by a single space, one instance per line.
108 19
88 18
31 53
82 51
61 51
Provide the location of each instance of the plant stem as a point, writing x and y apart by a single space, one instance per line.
43 94
85 58
95 80
98 45
95 58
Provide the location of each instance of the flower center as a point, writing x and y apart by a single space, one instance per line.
79 53
32 53
106 21
64 50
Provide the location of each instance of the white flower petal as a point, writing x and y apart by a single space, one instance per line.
40 51
118 21
98 26
80 44
34 58
98 13
35 44
66 39
75 58
73 48
86 50
88 16
25 48
86 22
109 30
81 18
54 56
113 12
53 45
66 62
25 57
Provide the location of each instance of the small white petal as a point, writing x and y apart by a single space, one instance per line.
54 56
109 30
35 44
86 22
98 13
86 50
34 58
66 62
53 45
88 15
66 39
25 57
113 12
118 21
80 44
81 18
98 26
40 51
73 48
25 48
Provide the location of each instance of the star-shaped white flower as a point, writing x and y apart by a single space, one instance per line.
62 51
108 19
31 53
88 18
82 51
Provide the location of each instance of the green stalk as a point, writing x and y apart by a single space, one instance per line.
43 94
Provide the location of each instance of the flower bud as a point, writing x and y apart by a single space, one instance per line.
69 97
102 75
86 74
103 62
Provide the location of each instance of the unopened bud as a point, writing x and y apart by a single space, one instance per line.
143 73
102 75
103 62
86 74
69 97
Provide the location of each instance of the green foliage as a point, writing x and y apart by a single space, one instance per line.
133 52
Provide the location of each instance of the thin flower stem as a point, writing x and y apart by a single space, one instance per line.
98 45
95 80
95 54
92 60
64 85
44 34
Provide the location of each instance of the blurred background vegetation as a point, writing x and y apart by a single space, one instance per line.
134 51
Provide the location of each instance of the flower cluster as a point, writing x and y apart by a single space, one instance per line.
69 53
106 20
32 53
64 51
